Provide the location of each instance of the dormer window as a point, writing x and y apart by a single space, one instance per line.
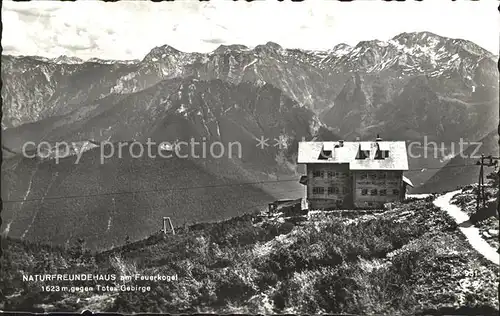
382 154
325 155
382 151
326 152
363 153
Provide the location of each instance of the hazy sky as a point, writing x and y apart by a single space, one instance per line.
130 29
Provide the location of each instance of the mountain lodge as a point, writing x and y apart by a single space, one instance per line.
359 174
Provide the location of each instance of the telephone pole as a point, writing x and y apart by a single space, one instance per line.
488 161
498 174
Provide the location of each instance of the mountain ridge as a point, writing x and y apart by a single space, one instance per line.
309 77
336 47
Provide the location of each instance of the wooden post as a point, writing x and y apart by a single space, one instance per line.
498 176
480 183
171 226
480 192
165 219
483 196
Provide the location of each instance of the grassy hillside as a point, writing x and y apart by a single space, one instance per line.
410 260
104 203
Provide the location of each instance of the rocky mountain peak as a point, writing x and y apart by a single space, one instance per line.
274 45
418 38
341 46
340 50
269 47
222 49
160 52
371 44
469 47
111 61
63 59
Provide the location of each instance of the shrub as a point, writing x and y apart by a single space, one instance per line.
328 265
406 264
409 200
122 267
284 263
285 228
235 285
430 198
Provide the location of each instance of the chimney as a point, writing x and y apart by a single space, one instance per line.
341 143
378 139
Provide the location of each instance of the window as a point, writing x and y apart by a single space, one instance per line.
346 190
363 176
331 174
382 175
373 192
333 190
383 192
325 155
317 174
395 192
362 154
318 190
364 191
373 175
382 154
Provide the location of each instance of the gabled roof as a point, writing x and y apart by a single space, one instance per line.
309 152
303 180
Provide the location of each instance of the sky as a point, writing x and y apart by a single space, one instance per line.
130 29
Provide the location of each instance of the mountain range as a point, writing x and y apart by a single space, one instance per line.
413 86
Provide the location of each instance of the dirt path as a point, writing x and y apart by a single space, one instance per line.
470 232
